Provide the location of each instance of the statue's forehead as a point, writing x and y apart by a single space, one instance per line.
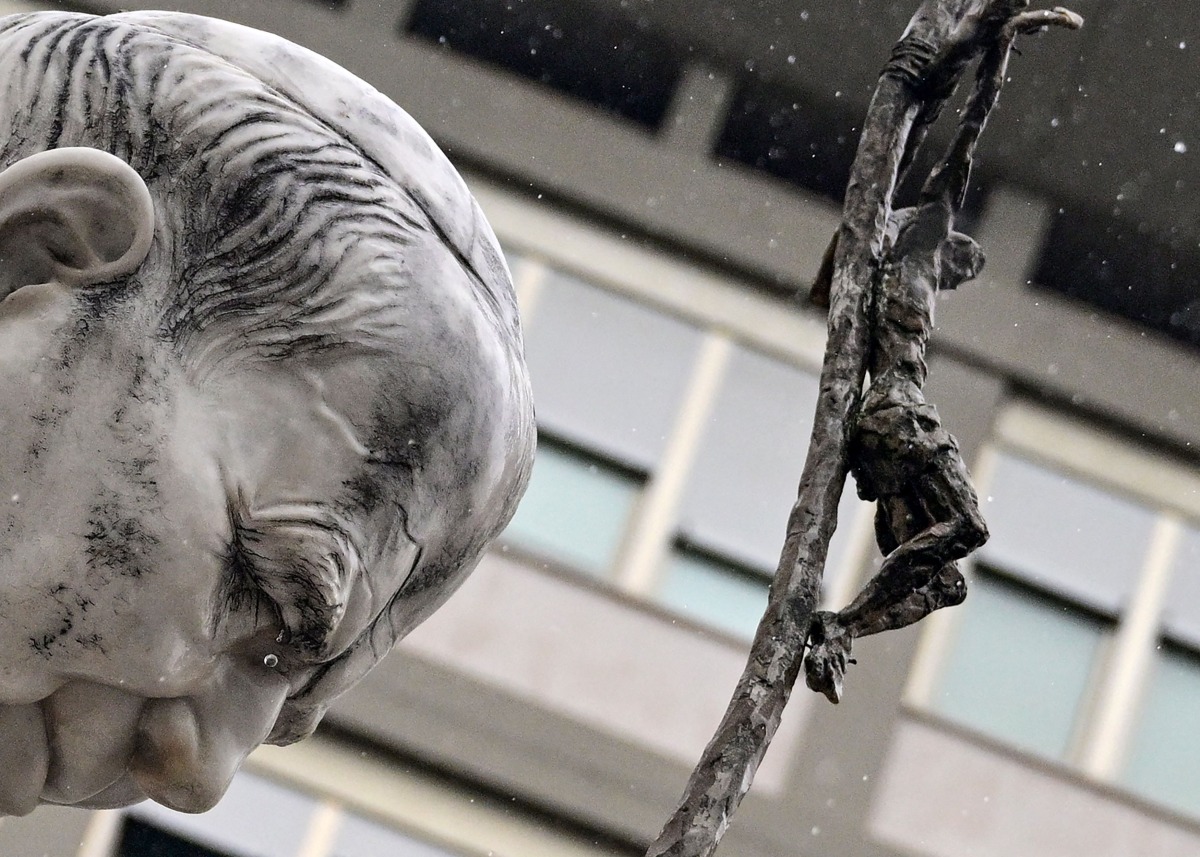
386 135
384 132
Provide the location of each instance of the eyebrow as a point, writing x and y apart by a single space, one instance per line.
302 557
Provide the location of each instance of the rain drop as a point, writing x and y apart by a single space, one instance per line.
1180 147
271 661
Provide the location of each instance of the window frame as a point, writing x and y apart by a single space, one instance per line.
1170 489
729 312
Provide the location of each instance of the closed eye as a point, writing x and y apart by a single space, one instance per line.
239 598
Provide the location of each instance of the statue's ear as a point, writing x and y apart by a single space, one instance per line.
73 216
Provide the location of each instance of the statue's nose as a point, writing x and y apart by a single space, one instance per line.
170 764
189 748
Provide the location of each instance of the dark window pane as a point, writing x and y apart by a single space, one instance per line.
597 55
1114 263
810 141
139 839
793 136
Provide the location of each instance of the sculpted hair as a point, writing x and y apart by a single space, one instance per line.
264 205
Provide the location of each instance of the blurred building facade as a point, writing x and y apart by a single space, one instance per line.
664 177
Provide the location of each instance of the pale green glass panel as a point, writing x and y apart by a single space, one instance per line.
1018 667
713 593
575 511
1164 754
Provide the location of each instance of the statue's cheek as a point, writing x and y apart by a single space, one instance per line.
91 737
189 748
24 758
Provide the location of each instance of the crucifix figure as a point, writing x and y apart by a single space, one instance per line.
927 514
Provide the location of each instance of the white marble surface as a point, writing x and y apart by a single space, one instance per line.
264 399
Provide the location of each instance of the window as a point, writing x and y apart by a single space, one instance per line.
1113 261
809 139
139 839
710 590
609 374
358 837
261 818
1164 749
606 59
796 136
1080 639
749 460
670 452
1019 666
576 510
256 818
1062 562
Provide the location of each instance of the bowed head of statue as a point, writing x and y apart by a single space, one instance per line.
263 398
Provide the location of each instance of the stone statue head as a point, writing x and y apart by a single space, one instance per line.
263 398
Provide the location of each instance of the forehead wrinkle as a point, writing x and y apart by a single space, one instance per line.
337 420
